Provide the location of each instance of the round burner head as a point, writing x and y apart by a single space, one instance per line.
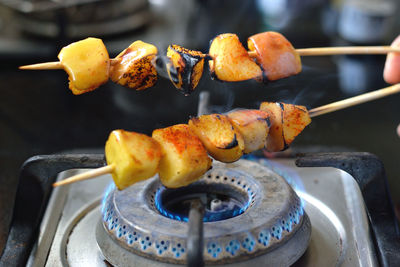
250 212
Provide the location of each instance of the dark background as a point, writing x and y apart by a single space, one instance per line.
39 114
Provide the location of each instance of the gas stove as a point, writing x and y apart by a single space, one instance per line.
256 211
266 212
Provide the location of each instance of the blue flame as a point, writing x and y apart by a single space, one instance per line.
209 216
108 190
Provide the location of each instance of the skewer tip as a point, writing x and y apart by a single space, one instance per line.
86 175
43 66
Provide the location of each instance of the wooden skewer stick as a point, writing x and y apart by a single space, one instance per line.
347 50
341 50
55 65
317 51
86 175
352 101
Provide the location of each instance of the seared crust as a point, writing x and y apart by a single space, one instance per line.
187 68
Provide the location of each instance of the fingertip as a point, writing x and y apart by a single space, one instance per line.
391 72
398 130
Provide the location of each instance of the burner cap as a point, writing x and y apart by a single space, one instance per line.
251 211
222 200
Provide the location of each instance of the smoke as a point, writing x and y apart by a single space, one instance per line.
306 88
164 65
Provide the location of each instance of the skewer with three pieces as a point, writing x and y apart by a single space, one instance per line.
266 109
270 56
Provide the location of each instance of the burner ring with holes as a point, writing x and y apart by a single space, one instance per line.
259 213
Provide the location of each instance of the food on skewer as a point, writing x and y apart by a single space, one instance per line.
230 60
297 119
188 68
134 68
287 121
184 158
275 54
135 157
222 141
87 64
253 125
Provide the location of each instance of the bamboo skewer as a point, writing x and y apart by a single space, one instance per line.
56 65
349 102
317 51
347 50
312 113
86 175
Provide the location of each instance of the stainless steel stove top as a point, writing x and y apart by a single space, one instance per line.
340 230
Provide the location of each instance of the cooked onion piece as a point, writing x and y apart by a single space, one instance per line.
230 60
287 121
253 125
133 67
275 54
188 68
135 157
87 64
222 141
184 158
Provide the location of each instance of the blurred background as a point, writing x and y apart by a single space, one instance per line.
40 115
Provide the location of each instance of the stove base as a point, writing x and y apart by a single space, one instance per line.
340 233
277 257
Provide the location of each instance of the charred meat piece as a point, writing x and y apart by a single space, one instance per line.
222 141
275 54
184 158
134 68
87 63
135 157
187 68
230 60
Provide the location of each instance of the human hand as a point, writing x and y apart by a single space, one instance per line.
391 72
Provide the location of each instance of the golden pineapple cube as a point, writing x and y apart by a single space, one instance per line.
87 64
135 157
230 60
184 159
253 125
275 54
275 139
187 68
222 141
134 68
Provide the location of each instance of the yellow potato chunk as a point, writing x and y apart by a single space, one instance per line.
187 68
135 157
275 54
253 125
287 121
222 141
134 68
184 159
230 60
87 64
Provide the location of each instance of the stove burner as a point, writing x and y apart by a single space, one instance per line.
252 213
221 200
